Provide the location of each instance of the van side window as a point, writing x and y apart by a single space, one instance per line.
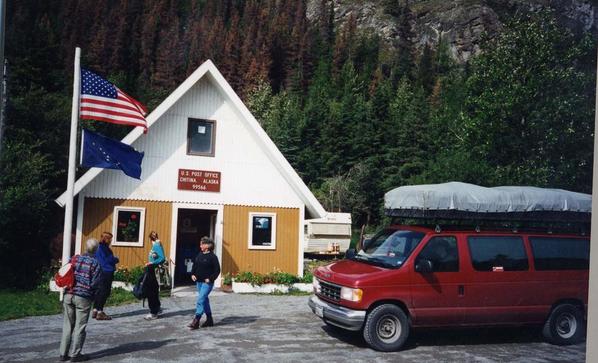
497 253
443 253
556 253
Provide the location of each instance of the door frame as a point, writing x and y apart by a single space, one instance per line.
215 232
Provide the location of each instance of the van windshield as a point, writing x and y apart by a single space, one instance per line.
390 247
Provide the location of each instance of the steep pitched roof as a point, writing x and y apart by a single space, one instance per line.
282 165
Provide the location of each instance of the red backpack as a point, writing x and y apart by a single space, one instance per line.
65 277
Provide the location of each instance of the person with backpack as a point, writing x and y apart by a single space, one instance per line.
206 269
108 263
150 287
77 302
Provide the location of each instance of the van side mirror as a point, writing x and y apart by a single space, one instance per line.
350 254
423 266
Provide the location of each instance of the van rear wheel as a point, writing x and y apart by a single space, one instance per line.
386 328
564 326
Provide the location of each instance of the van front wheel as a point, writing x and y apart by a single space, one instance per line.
564 326
386 328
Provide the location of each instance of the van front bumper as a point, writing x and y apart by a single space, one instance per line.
337 315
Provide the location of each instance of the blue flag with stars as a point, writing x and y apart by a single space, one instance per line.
103 152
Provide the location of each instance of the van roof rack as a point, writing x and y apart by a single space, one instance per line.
445 225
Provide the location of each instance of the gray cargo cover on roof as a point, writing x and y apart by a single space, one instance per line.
473 199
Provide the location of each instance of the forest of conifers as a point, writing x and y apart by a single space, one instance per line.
354 115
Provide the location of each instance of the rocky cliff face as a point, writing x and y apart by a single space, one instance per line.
461 23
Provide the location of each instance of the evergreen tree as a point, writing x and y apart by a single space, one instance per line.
315 114
531 115
408 136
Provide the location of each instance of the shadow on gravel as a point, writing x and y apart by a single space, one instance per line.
188 312
130 313
473 336
130 348
235 320
444 337
350 337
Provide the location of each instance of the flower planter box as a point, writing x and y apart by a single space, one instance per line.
304 287
124 285
247 288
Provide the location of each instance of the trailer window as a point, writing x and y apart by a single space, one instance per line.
556 253
497 253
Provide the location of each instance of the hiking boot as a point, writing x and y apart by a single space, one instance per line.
208 323
151 317
194 324
64 358
94 314
103 316
79 358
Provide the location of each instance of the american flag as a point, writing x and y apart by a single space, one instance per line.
103 101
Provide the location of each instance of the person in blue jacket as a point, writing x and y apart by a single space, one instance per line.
150 286
108 263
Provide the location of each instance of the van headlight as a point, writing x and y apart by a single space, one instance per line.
316 285
350 294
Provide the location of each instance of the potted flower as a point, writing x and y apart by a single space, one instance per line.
227 283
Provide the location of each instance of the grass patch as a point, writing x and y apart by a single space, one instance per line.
15 304
120 296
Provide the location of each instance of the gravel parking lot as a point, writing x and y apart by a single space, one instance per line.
251 328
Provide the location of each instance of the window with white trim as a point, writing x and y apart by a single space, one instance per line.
262 231
127 226
201 136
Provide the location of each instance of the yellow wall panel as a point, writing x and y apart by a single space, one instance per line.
97 218
236 256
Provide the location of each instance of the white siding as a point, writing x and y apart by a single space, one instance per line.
248 177
330 229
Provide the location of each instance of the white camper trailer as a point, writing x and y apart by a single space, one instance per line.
329 234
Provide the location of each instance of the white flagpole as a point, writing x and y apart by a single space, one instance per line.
70 186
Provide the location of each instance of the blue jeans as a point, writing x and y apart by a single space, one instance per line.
203 303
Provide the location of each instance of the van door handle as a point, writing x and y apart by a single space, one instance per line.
461 290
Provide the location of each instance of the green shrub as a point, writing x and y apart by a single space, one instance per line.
227 279
307 278
135 273
129 276
282 278
279 278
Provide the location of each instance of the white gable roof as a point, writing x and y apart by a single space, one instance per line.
257 133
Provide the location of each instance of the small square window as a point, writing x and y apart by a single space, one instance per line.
201 135
262 231
127 226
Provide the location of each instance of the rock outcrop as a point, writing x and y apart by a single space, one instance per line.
461 23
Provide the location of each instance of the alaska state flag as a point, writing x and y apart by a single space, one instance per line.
103 152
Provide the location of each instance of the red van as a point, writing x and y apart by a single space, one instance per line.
410 276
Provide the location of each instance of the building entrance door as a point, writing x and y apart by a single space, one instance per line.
192 224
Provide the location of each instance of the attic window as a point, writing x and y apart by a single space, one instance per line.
201 135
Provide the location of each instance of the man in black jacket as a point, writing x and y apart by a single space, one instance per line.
206 269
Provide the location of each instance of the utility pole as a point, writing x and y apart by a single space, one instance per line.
3 65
